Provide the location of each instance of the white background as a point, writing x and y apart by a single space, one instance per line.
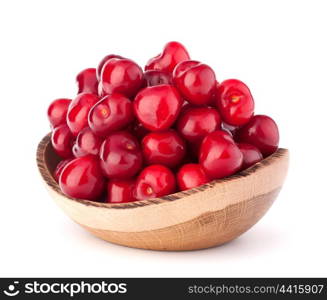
278 48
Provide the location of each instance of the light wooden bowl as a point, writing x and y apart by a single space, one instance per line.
203 217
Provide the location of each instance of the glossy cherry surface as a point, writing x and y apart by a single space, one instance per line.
172 54
219 155
195 123
78 111
87 142
120 191
62 141
153 77
190 176
235 102
121 76
103 62
251 155
157 107
87 81
57 111
120 155
82 178
195 81
166 148
262 132
154 181
111 113
60 167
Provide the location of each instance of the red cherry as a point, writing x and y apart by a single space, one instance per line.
57 111
251 155
121 76
190 176
195 81
262 132
60 167
166 148
172 54
62 141
112 113
195 123
235 102
219 155
87 81
157 107
154 181
153 77
78 111
103 61
87 143
82 178
120 191
120 155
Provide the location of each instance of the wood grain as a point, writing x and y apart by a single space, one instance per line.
203 217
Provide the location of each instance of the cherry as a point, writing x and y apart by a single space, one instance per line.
154 181
61 165
62 141
166 148
120 191
219 155
82 178
195 123
87 81
172 54
157 107
262 132
190 176
78 111
195 81
251 155
153 77
103 61
235 102
57 111
112 113
121 76
120 155
87 143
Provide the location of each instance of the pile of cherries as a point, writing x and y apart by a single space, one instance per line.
131 134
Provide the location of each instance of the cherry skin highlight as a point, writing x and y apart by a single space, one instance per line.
82 178
87 81
121 76
235 102
62 141
157 107
195 81
172 54
57 111
165 148
219 155
120 191
78 111
190 176
103 62
61 165
154 181
120 155
251 155
113 112
262 132
87 143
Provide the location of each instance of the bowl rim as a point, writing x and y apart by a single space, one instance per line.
53 185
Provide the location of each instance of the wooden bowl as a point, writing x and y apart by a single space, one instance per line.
203 217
